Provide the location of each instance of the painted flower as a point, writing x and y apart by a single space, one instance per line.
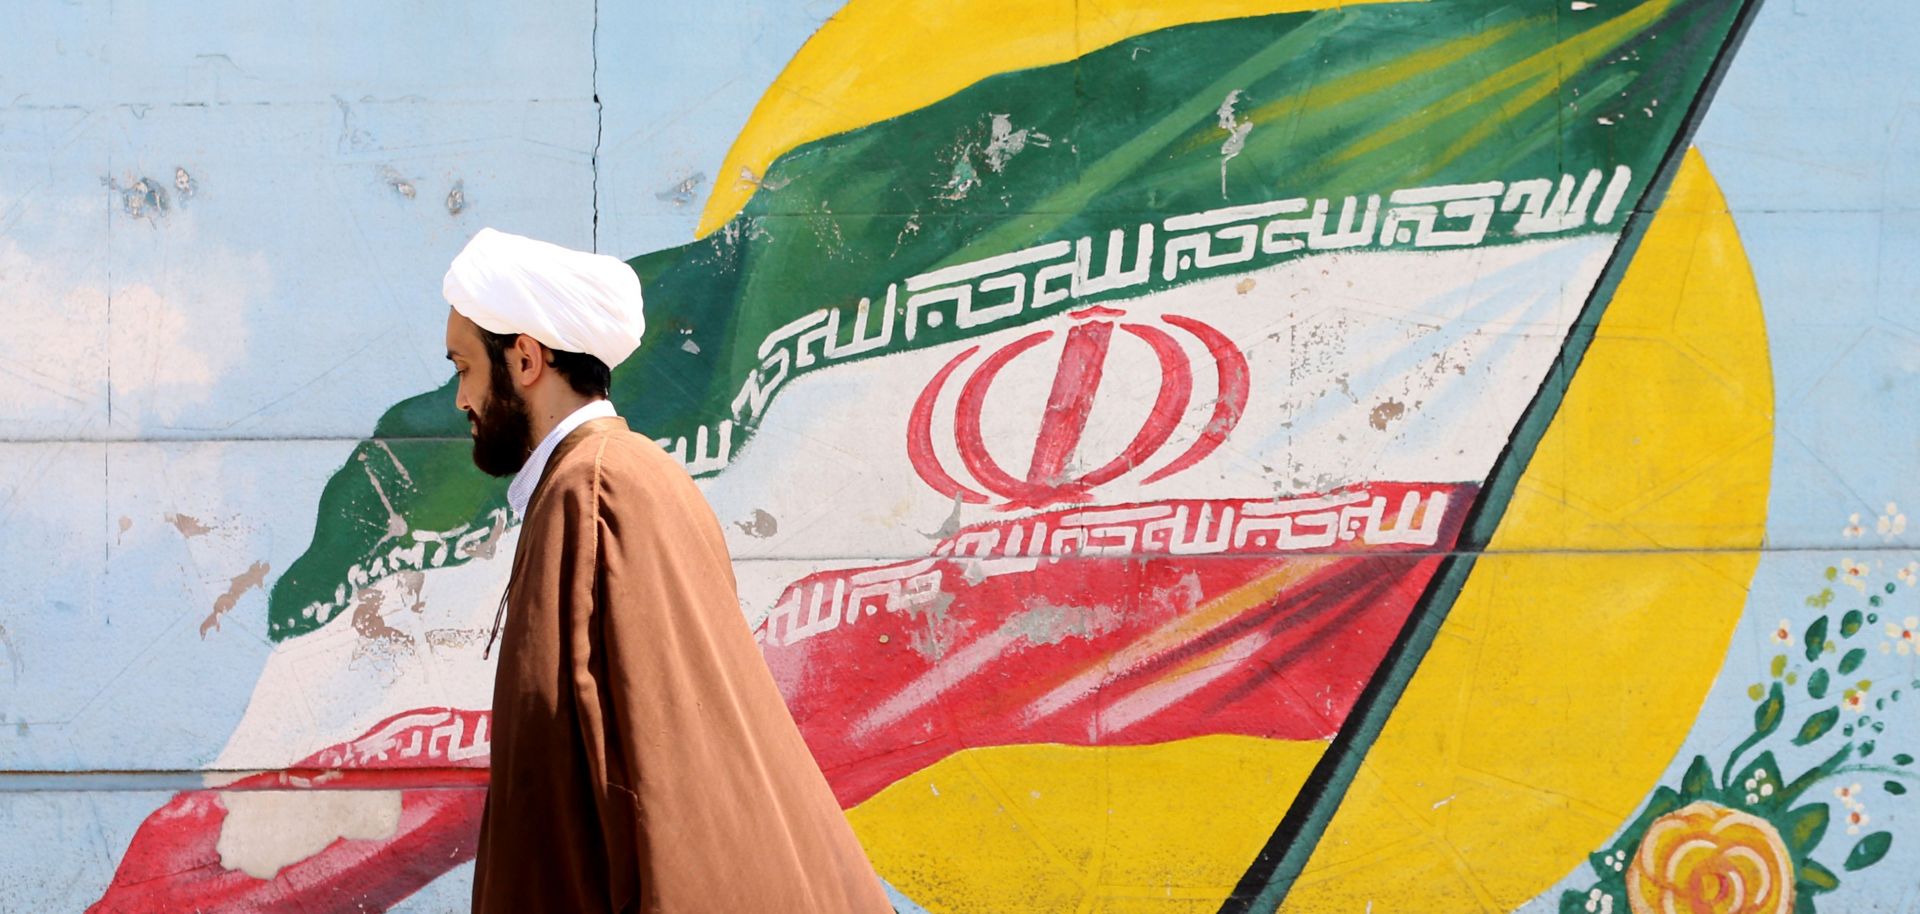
1854 573
1909 575
1853 528
1906 635
1704 857
1855 700
1849 795
1856 819
1783 633
1892 522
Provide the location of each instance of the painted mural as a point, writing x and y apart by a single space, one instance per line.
1221 456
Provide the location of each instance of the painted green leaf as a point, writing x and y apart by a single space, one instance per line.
1766 717
1778 666
1817 878
1852 660
1889 587
1698 780
1869 851
1817 726
1816 638
1894 787
1903 759
1663 801
1805 826
1817 684
1850 623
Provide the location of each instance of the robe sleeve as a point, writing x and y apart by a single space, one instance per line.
586 615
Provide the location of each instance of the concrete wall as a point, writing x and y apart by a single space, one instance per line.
1395 457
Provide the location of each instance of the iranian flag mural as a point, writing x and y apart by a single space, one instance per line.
1129 401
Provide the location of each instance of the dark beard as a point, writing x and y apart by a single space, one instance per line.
503 435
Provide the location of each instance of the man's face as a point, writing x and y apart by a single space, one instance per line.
497 416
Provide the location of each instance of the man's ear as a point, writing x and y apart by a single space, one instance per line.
527 360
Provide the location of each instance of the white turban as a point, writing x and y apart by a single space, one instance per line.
572 301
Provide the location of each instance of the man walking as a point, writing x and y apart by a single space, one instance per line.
643 760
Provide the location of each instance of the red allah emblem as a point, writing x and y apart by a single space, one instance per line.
1075 382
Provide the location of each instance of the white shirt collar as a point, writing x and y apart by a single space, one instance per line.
520 490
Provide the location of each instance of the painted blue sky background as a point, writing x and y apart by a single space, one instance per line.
223 358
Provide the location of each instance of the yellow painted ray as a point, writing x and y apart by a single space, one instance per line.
877 59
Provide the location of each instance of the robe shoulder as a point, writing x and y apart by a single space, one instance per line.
597 464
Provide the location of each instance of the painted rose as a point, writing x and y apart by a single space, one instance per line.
1707 859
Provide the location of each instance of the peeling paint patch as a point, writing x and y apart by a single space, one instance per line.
941 631
126 523
1237 131
267 830
1243 286
457 198
254 576
1386 412
188 525
684 192
761 525
145 198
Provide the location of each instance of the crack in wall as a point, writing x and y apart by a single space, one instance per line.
599 123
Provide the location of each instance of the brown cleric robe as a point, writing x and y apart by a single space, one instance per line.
643 759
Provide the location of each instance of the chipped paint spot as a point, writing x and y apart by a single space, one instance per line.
14 666
1244 286
1583 5
963 179
457 198
397 182
1004 142
685 191
254 576
1044 622
941 631
749 178
126 523
398 467
267 830
1386 412
483 547
951 525
184 186
1237 131
371 623
188 525
689 346
454 638
760 525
